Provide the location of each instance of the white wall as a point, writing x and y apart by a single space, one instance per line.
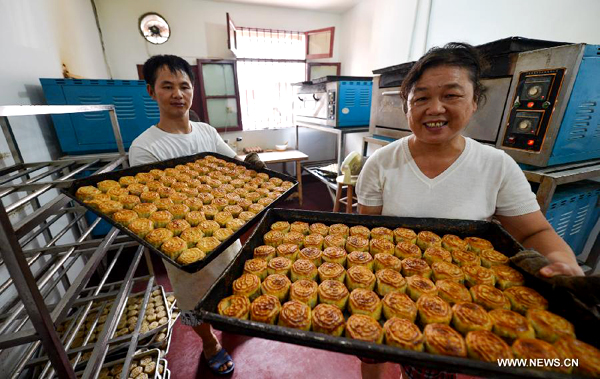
483 21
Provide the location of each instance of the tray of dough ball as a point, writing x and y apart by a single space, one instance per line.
144 365
188 210
435 293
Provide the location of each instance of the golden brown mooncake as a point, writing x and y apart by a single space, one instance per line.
404 235
234 210
334 240
382 233
157 237
389 280
417 285
334 255
467 317
256 266
191 235
359 258
178 226
235 224
124 217
381 245
489 297
475 275
265 252
319 228
163 204
276 181
141 227
366 302
452 292
443 340
403 334
144 177
405 250
265 308
524 298
588 356
223 218
273 238
281 226
294 238
485 346
383 260
157 174
222 234
234 306
190 256
396 304
442 270
246 216
477 244
109 207
106 185
206 199
288 251
116 193
305 291
433 310
364 328
194 218
165 192
173 247
334 293
244 204
426 239
167 181
314 240
149 197
356 243
208 244
328 319
507 277
124 181
465 258
300 227
247 285
154 185
161 218
178 197
360 231
129 201
510 325
331 271
303 269
360 277
491 257
436 254
339 229
451 242
279 265
415 266
311 254
549 326
295 314
531 348
208 227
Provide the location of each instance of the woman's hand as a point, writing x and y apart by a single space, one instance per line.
534 232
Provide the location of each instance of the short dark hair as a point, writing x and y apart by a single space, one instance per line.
172 62
457 54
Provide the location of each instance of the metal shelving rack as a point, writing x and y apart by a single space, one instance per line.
40 261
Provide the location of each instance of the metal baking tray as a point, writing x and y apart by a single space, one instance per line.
156 358
196 266
491 231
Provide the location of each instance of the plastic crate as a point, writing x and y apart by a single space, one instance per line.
84 133
574 211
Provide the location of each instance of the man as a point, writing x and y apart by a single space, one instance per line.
170 82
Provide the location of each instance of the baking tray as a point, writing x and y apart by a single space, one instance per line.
155 353
491 231
193 267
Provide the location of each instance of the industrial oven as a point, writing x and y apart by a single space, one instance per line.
336 101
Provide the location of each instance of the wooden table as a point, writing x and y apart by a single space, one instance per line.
285 157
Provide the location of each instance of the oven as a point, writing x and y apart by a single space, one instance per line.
336 101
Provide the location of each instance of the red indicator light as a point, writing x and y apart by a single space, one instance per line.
530 142
530 104
543 97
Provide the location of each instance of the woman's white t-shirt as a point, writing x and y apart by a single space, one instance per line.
481 183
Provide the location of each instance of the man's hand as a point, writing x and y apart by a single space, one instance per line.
255 161
561 264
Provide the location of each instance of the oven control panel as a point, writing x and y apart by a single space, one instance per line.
533 102
331 104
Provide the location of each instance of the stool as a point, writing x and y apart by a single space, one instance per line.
349 199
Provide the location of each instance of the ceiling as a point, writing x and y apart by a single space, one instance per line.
334 6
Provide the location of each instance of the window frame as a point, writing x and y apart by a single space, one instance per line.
316 31
338 66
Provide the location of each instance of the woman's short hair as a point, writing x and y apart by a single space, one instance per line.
172 62
457 54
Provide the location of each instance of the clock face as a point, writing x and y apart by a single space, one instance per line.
154 28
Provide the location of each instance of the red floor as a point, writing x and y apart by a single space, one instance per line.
260 358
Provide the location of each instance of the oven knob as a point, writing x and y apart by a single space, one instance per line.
534 91
524 125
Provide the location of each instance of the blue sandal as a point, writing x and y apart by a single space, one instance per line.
218 360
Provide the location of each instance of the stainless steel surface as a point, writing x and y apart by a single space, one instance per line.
553 58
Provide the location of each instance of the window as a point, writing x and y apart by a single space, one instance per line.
268 63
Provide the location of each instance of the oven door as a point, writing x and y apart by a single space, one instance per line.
312 105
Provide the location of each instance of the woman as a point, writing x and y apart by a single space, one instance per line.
436 172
